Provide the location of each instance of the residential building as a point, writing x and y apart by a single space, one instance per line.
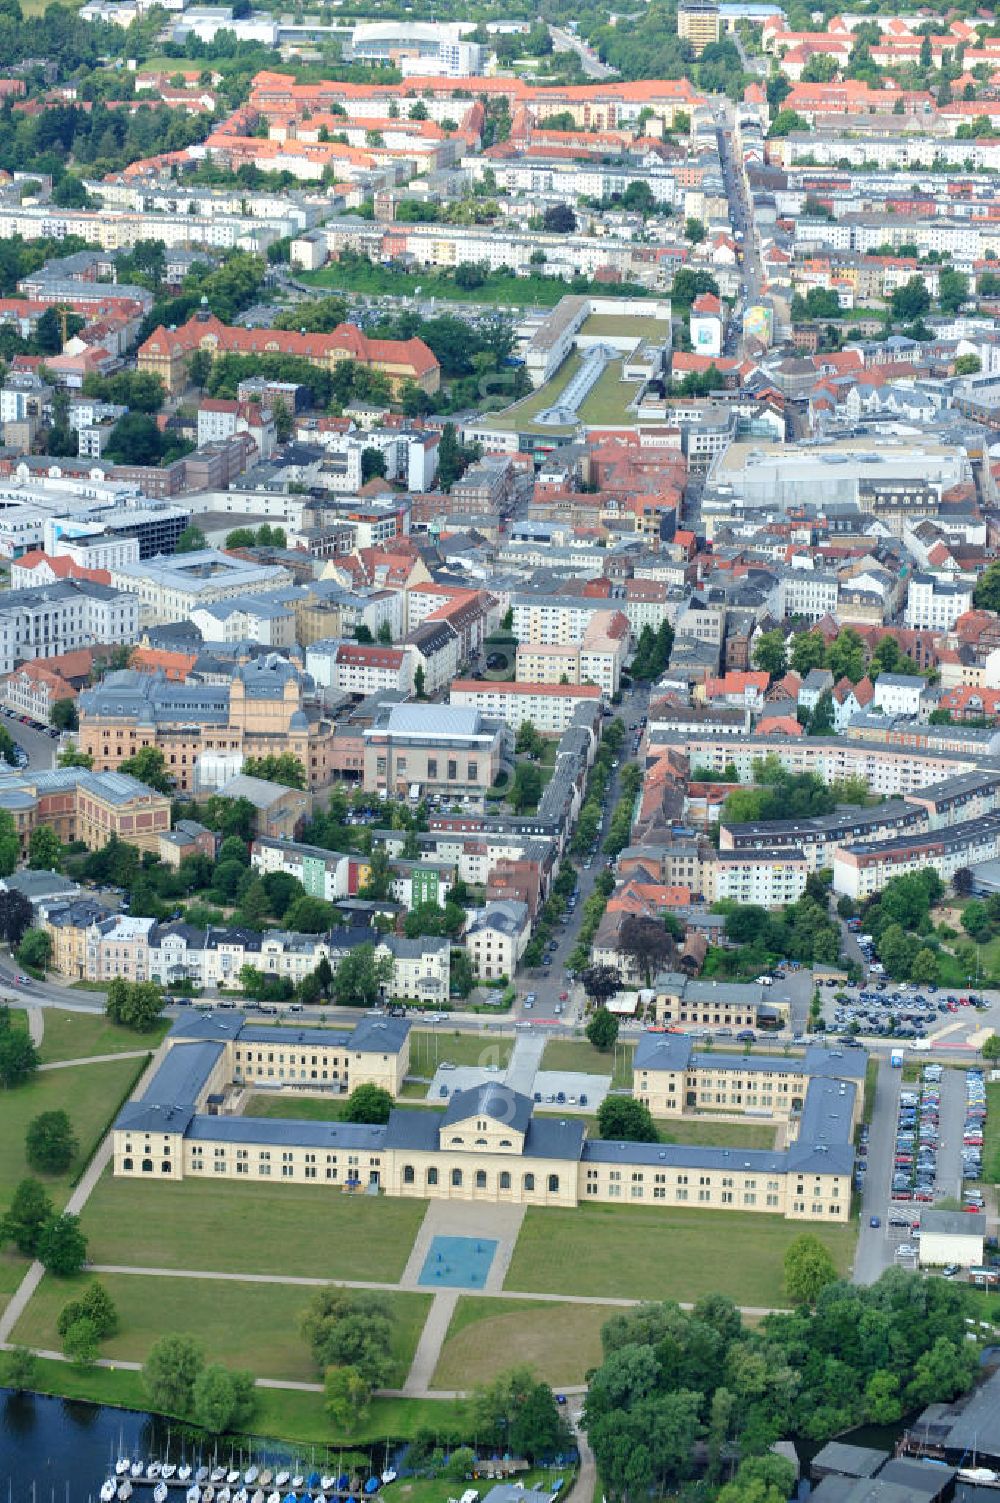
549 707
496 938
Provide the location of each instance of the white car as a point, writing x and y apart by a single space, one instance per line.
765 981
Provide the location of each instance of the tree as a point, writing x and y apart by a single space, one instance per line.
808 651
911 301
18 1055
308 915
50 1142
222 1400
344 1329
360 978
148 765
346 1397
284 768
976 921
19 1369
518 1412
16 914
134 1004
646 941
367 1103
968 365
526 789
924 967
97 1306
10 843
170 1373
62 1247
71 756
986 595
30 1212
694 230
44 849
372 464
80 1342
559 219
808 1269
35 949
602 1029
787 121
991 1047
191 540
384 635
136 439
601 982
623 1119
64 715
953 290
769 653
419 682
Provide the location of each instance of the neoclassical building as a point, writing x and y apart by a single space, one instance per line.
488 1144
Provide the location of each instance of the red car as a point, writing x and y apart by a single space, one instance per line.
564 996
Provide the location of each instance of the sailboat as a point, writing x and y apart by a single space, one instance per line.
108 1490
160 1492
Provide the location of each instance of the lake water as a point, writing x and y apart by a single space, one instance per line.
59 1451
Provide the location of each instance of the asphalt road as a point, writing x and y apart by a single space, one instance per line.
875 1245
41 748
950 1123
565 41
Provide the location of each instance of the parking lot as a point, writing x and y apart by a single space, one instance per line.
924 1145
885 1009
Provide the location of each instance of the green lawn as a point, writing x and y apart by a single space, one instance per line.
561 1342
243 1325
579 1055
644 1252
523 414
429 1048
75 1035
699 1130
236 1228
90 1094
625 324
282 1413
300 1108
608 399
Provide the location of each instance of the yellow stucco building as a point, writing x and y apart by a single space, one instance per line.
488 1146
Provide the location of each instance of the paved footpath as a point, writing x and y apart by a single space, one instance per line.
94 1059
36 1024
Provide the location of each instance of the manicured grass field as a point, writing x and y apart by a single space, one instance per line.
75 1035
643 1252
502 290
561 1342
251 1228
578 1054
88 1093
429 1049
701 1130
254 1326
300 1108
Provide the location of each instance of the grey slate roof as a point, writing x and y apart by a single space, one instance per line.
169 1100
491 1099
291 1133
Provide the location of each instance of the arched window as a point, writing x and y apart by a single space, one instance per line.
165 1167
432 1176
480 1142
504 1180
506 1143
407 1174
126 1165
529 1181
456 1178
458 1140
480 1179
553 1184
147 1166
